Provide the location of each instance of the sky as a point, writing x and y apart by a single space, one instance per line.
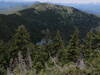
63 1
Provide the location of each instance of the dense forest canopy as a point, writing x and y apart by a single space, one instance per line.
54 52
40 17
48 39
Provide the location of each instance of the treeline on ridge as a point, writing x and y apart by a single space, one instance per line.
86 49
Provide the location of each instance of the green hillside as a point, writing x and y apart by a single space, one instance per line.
70 44
43 16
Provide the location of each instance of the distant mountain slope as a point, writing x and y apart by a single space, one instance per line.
90 8
43 16
11 7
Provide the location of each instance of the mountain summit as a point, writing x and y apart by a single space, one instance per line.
40 17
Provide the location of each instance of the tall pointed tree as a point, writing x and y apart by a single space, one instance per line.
20 41
89 40
59 46
2 54
56 47
73 48
58 40
96 44
88 50
97 40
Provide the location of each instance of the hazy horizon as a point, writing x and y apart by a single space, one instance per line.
58 1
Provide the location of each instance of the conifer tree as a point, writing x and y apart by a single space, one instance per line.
1 48
58 44
55 47
21 41
3 58
2 52
88 51
40 57
89 40
96 44
59 47
58 40
73 48
97 40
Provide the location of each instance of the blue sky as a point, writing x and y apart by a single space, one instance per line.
62 1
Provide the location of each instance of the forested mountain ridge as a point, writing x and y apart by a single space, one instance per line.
44 16
22 52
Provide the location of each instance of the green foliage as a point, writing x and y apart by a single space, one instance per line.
20 41
37 19
73 48
3 57
40 57
88 45
91 47
68 69
58 44
97 40
51 58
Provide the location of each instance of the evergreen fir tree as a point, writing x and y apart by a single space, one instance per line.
3 54
88 50
58 40
20 42
96 44
3 57
58 44
89 40
59 47
97 40
73 48
40 57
